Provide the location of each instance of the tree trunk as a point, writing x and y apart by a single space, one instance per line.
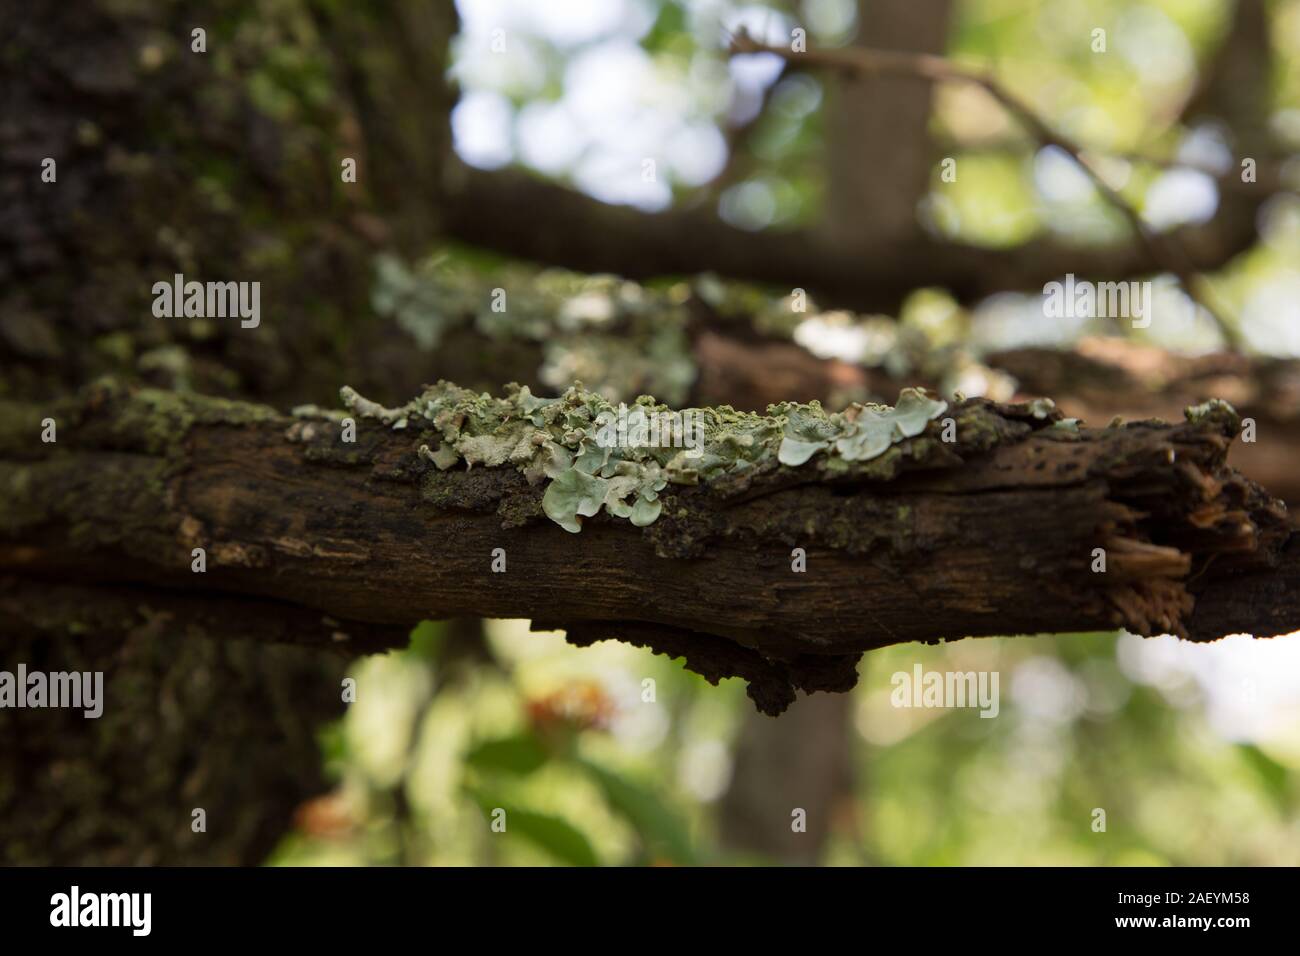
879 151
222 165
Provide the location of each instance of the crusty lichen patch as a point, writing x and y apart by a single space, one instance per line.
595 456
1215 412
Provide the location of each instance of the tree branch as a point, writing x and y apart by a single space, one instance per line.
991 534
860 61
577 232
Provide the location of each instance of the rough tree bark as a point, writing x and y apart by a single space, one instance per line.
991 534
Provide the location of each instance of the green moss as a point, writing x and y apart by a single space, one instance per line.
154 421
436 490
20 425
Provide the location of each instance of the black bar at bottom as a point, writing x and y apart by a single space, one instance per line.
585 907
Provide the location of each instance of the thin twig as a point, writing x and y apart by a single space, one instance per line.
936 69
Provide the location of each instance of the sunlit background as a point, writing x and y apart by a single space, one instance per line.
1191 751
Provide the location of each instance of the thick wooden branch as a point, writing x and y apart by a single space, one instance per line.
35 606
992 534
1103 378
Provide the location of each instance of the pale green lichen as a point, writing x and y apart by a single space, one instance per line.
860 433
596 459
608 332
1216 410
574 494
1041 408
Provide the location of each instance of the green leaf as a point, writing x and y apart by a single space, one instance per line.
426 640
663 833
520 754
553 834
669 25
1273 775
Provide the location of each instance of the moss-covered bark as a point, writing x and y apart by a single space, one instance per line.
223 165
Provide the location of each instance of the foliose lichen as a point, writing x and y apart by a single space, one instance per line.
596 456
860 432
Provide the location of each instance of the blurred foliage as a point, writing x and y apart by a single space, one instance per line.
587 95
589 770
551 744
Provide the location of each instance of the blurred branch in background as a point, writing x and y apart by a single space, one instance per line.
869 274
1164 251
858 266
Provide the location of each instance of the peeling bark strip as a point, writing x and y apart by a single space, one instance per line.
991 534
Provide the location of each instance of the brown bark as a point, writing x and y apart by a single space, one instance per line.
171 161
1103 378
991 535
